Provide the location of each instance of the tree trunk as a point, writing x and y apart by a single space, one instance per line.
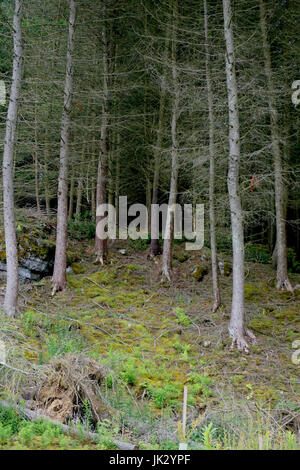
154 247
12 283
214 261
117 187
283 282
167 248
237 328
71 198
60 264
46 186
36 162
79 190
101 246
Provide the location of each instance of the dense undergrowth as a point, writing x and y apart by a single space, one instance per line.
154 339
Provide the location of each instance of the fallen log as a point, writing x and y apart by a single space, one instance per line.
71 430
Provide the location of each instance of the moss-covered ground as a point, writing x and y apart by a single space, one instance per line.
155 338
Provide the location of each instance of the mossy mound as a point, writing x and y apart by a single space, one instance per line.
199 273
182 256
227 269
78 268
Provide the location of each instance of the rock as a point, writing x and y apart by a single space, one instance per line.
36 250
24 273
224 268
199 273
37 265
206 344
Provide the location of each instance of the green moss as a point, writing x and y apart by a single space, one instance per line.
227 269
251 292
72 257
263 395
199 273
78 268
182 256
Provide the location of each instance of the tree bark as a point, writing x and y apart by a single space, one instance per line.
80 186
71 198
214 260
167 247
101 246
154 247
117 187
237 327
12 283
36 162
283 282
60 264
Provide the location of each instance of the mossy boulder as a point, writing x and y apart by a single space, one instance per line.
182 256
78 268
199 273
225 268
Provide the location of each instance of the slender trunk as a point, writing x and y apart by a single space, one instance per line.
36 162
46 185
237 328
117 188
93 180
60 264
71 199
167 248
101 246
148 201
214 261
79 190
154 247
111 170
283 281
12 283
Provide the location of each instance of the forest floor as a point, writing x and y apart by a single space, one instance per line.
154 338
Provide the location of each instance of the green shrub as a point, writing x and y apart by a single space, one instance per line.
129 374
293 263
259 253
6 432
140 244
182 318
9 418
82 228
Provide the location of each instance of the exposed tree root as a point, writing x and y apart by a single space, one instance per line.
240 340
101 260
284 285
57 287
166 275
216 306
